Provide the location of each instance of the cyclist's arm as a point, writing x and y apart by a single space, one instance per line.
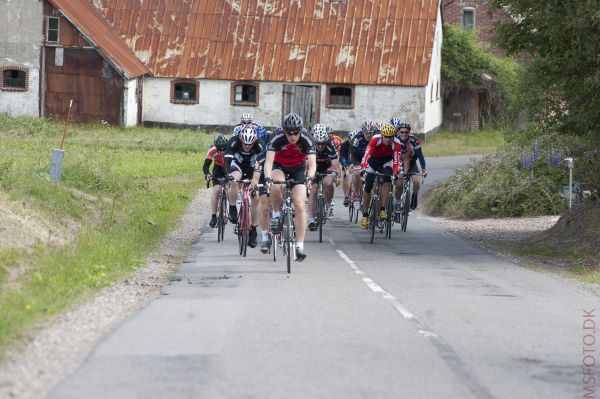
421 158
311 160
206 166
268 166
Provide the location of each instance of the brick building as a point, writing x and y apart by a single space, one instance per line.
474 14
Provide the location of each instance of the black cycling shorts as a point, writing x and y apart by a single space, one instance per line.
297 173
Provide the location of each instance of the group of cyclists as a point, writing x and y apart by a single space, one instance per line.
291 152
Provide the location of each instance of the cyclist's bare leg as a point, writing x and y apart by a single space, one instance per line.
233 190
328 187
399 188
254 211
312 200
366 201
298 198
277 189
346 182
265 205
385 190
214 198
416 183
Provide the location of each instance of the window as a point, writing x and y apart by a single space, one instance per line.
14 79
53 30
184 91
468 18
245 93
340 96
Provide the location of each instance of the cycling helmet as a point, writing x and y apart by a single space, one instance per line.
319 133
351 135
329 130
237 130
396 122
404 126
248 135
261 132
246 118
292 123
220 141
387 130
368 126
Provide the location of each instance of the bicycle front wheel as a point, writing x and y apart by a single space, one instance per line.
389 210
405 209
374 216
320 216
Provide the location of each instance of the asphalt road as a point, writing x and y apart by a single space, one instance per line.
423 315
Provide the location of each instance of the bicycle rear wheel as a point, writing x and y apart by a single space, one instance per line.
286 238
274 244
405 209
320 216
373 216
389 210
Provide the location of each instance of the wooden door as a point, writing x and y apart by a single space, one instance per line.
303 100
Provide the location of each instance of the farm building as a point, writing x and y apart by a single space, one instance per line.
203 63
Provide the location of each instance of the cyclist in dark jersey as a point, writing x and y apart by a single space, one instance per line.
327 162
240 158
357 151
216 153
291 152
345 162
412 147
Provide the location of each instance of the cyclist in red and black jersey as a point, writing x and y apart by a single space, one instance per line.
327 162
240 160
383 156
291 152
413 150
357 151
216 153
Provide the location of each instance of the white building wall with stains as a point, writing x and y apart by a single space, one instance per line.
130 103
20 44
377 103
433 103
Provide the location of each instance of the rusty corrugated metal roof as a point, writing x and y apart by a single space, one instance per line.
96 29
384 42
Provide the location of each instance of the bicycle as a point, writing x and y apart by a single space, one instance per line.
374 221
286 238
405 199
321 211
354 197
222 208
242 228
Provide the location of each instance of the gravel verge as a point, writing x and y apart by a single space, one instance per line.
57 347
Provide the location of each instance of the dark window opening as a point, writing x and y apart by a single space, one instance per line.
245 93
340 96
185 92
14 79
468 19
53 28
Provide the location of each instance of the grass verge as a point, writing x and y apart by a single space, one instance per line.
124 188
445 144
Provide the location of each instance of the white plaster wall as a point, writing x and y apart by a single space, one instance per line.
20 44
433 106
379 104
130 103
214 106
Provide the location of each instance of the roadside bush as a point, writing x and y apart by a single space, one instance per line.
502 185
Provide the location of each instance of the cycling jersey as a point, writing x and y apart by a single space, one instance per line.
234 152
325 156
291 155
345 153
412 147
358 148
378 151
337 141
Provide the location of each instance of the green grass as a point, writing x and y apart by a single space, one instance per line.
444 143
125 187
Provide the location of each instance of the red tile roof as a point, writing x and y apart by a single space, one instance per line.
381 42
96 30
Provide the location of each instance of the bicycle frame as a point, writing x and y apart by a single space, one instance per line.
222 208
375 222
243 225
287 229
320 216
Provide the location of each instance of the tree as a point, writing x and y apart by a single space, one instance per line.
563 37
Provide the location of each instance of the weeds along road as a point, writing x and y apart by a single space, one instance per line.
423 315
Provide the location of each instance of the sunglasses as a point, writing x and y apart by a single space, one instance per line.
292 133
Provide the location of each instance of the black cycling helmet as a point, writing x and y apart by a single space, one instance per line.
220 141
292 123
404 126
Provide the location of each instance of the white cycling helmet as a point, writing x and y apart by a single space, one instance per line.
317 129
246 117
248 135
320 136
351 135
